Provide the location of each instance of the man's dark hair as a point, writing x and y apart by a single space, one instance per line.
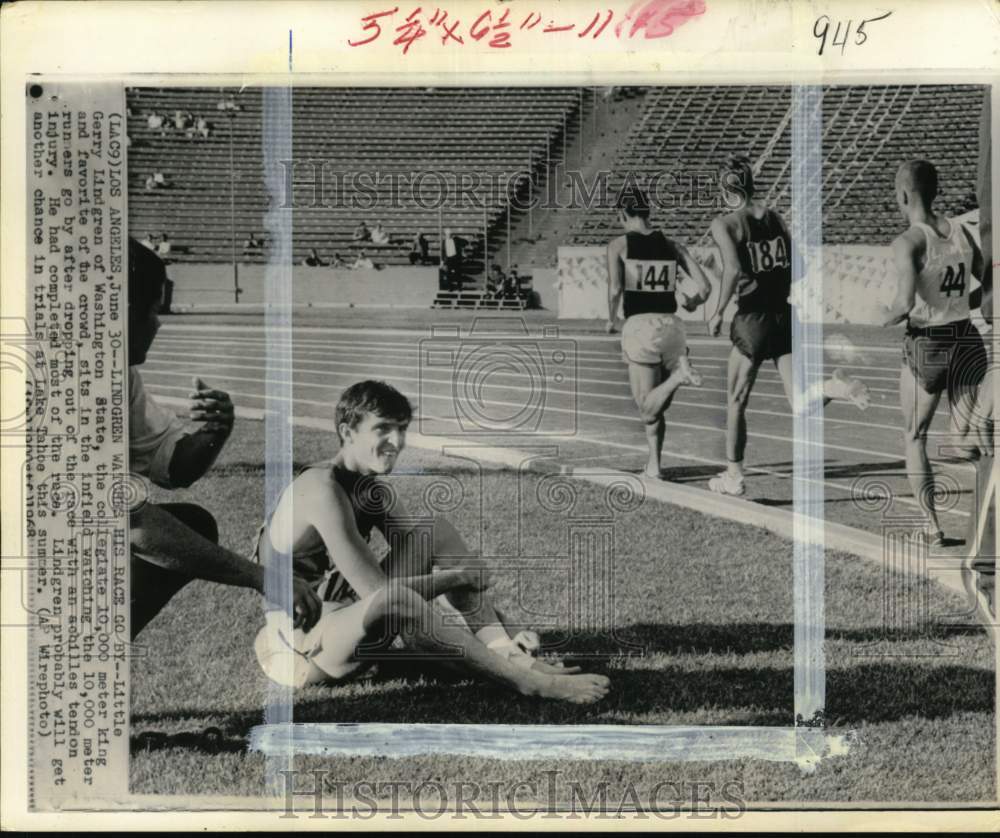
919 176
633 202
365 397
736 175
146 278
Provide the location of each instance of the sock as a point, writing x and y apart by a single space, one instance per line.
493 635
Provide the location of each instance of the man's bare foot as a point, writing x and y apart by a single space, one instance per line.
516 655
553 668
845 387
576 689
687 373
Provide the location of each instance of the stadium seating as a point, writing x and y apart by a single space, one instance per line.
214 202
866 133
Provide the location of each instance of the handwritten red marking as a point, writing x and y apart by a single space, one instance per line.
409 31
449 33
480 29
592 23
371 22
531 24
659 18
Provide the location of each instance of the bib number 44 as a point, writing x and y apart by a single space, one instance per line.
954 280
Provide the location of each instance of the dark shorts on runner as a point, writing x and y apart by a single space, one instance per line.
950 356
762 335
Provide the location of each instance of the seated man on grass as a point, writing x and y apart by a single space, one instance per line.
323 522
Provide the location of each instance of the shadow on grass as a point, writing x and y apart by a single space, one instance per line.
725 638
211 740
872 693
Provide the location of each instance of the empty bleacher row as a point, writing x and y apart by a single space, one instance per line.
358 155
866 133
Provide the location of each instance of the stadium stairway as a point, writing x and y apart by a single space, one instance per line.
592 145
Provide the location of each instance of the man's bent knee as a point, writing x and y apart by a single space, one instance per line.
400 601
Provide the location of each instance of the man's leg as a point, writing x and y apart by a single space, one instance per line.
152 586
740 378
838 387
449 550
643 379
969 391
918 408
476 608
398 610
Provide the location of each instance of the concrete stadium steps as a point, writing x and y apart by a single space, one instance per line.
867 132
456 130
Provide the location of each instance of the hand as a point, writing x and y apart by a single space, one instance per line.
212 407
477 578
715 325
306 604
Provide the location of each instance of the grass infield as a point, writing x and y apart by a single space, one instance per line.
709 602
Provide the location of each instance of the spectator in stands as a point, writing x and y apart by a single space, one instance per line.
512 284
379 235
228 104
313 259
419 250
253 244
495 282
203 127
337 262
149 242
451 255
155 122
363 263
164 247
157 180
182 120
362 233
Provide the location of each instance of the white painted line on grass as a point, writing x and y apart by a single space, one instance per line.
781 522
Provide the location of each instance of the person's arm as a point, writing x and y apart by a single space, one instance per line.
169 543
616 248
977 268
325 507
697 275
320 504
731 271
469 572
905 255
195 453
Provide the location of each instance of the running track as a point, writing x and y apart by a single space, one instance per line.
587 406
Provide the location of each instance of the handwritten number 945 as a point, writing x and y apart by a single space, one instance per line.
821 29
